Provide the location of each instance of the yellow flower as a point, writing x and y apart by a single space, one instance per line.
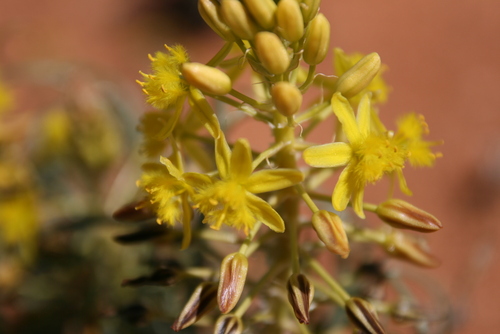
156 126
378 87
229 198
368 155
165 87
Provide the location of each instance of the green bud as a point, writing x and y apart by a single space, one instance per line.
317 40
359 76
271 52
210 12
208 79
263 12
309 9
401 214
286 97
330 230
233 275
290 21
238 19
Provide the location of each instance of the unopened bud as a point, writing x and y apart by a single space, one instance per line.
317 40
271 52
233 275
309 9
134 212
300 296
228 324
406 248
202 300
210 12
401 214
363 316
208 79
238 19
359 76
263 12
290 21
286 97
329 228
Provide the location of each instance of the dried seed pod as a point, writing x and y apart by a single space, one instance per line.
263 12
208 79
210 12
289 20
309 9
202 300
401 214
406 248
359 76
286 97
363 316
330 230
228 324
233 275
300 296
317 40
238 19
271 52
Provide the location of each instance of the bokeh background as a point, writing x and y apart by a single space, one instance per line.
443 59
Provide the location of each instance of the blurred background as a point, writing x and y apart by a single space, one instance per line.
443 61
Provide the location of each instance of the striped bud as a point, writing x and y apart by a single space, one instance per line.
359 76
286 97
210 12
317 40
238 19
363 316
228 324
329 228
309 9
289 20
208 79
401 214
300 296
271 52
202 300
233 275
409 249
263 12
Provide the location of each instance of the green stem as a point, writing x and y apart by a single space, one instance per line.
330 281
244 246
310 78
248 100
320 197
312 112
370 207
305 196
267 154
221 55
327 291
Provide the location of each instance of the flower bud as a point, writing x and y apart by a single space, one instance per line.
300 296
401 214
309 9
238 19
359 76
290 21
263 12
317 40
286 97
363 316
329 228
271 52
406 248
208 79
210 12
233 274
228 324
134 212
202 300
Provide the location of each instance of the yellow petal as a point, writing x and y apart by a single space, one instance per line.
345 114
402 183
265 213
201 106
272 179
174 171
328 155
222 156
341 193
364 114
197 180
357 202
241 161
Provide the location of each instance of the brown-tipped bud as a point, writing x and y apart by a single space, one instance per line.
271 52
300 296
401 214
286 97
359 76
238 19
263 12
208 79
363 316
317 40
161 277
228 324
329 228
233 275
406 248
202 300
289 20
309 9
210 12
134 212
